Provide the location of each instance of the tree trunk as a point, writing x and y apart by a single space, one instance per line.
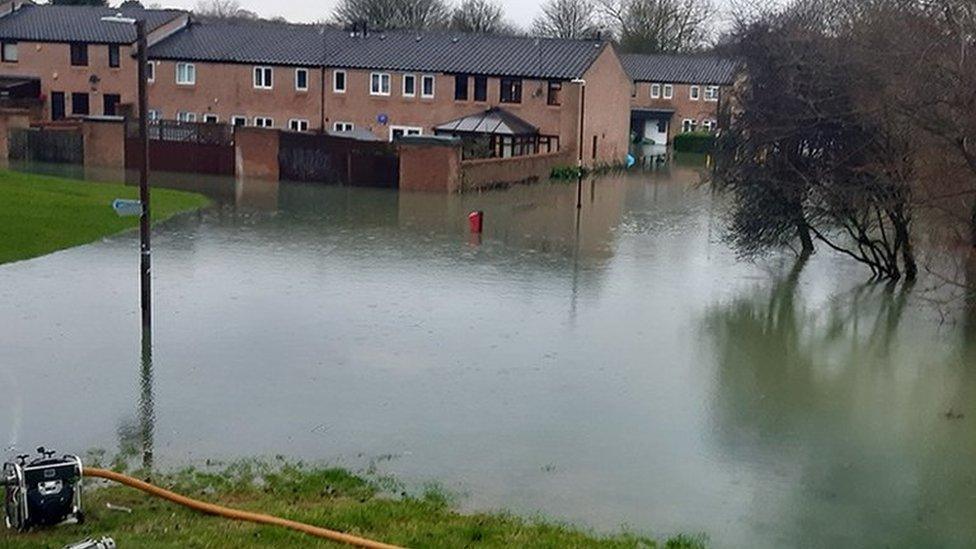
972 227
806 240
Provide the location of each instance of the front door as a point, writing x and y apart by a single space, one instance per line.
110 103
57 105
656 131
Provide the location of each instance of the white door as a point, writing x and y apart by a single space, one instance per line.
656 131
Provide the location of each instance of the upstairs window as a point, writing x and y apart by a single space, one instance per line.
511 90
633 89
379 83
79 54
339 81
150 71
655 91
711 93
427 86
460 87
113 55
554 93
8 52
481 88
668 91
301 79
263 78
409 85
694 93
186 74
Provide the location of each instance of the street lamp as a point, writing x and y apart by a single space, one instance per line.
579 160
145 248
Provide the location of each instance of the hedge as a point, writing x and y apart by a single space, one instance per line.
694 142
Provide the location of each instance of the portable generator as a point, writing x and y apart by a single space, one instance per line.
44 492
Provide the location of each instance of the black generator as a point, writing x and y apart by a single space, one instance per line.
43 492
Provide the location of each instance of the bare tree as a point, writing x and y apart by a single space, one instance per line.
653 26
479 16
566 19
393 14
222 9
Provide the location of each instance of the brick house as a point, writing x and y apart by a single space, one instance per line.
676 93
84 65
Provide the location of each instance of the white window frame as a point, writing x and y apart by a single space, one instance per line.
236 117
407 130
150 71
297 72
186 116
206 116
667 91
433 86
655 91
689 125
301 123
708 125
403 85
381 76
152 115
191 74
711 93
335 81
266 79
265 122
16 51
694 92
340 126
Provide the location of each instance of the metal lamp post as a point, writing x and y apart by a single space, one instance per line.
579 160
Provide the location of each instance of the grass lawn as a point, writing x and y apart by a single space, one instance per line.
332 498
41 214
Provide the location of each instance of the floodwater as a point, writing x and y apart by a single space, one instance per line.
619 369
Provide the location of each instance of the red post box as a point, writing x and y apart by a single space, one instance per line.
476 221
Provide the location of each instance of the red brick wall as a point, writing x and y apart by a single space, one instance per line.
682 104
493 172
430 166
607 116
256 154
104 143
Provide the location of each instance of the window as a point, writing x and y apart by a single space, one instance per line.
79 103
400 131
8 52
554 94
113 55
511 90
183 116
480 88
668 91
409 85
427 86
694 93
110 104
339 81
688 125
79 54
263 122
263 78
343 126
460 87
655 91
150 71
301 79
708 125
238 120
633 89
298 125
153 115
210 118
711 93
379 83
186 74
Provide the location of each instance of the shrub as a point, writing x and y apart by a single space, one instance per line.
694 142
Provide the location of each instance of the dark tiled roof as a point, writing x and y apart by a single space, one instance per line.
246 42
432 51
78 24
454 52
684 69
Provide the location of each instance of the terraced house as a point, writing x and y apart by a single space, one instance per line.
503 95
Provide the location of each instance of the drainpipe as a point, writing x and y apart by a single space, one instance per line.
579 146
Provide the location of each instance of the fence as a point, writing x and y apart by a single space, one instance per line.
191 147
336 160
57 145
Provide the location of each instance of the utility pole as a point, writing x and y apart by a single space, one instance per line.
579 159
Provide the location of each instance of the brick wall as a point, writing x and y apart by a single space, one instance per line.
256 153
607 117
684 107
429 166
104 142
494 172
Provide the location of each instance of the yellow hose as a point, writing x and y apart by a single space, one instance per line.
235 514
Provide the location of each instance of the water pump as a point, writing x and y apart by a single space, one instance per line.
43 492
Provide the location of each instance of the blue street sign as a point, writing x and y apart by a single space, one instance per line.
127 208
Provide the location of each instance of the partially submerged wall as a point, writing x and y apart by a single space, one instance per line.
487 173
256 153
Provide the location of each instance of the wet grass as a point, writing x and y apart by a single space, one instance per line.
42 214
328 497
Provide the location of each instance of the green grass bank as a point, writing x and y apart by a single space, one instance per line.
42 214
332 498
